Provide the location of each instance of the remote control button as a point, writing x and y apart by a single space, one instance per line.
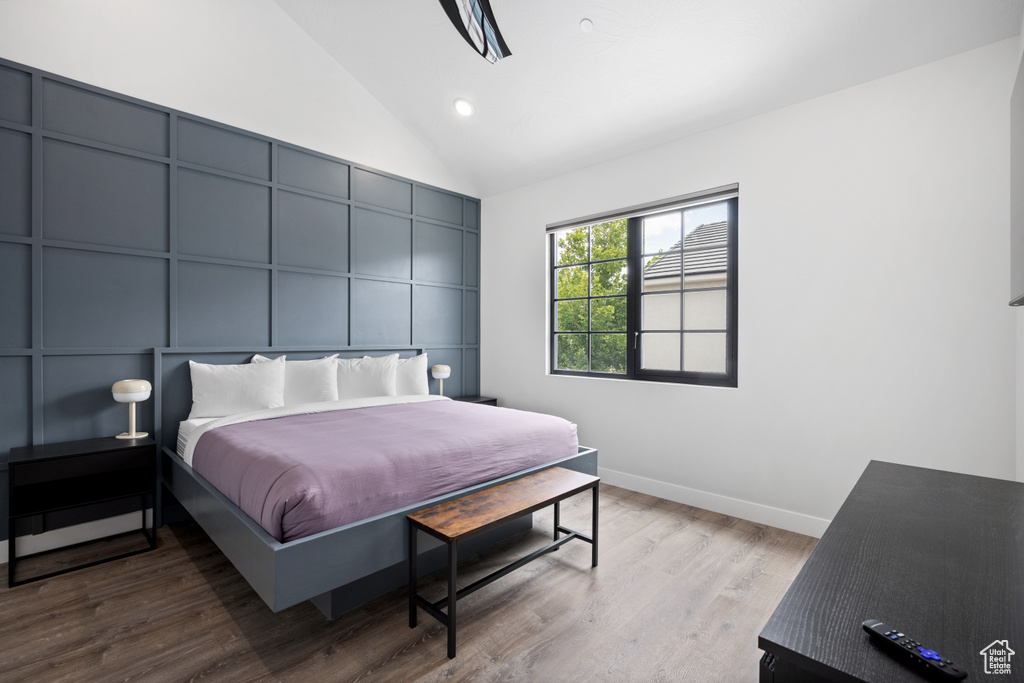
900 635
894 637
888 633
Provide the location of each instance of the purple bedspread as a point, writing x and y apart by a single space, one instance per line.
303 474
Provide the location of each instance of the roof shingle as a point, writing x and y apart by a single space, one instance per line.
705 249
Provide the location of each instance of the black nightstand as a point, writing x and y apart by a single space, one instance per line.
72 474
485 400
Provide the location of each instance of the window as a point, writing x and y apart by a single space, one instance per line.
648 293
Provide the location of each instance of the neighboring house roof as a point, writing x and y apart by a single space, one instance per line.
700 262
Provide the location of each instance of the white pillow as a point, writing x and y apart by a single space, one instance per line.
308 381
367 377
412 376
219 390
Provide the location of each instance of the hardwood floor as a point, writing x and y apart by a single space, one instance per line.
680 595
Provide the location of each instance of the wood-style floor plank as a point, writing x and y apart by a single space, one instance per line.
680 594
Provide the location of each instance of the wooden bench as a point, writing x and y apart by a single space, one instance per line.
462 517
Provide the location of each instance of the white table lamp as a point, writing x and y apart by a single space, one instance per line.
131 391
441 372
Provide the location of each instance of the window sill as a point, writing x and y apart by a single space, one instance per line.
719 381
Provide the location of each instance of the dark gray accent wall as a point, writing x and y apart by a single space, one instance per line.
126 226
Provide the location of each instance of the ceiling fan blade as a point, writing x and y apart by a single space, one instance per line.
474 20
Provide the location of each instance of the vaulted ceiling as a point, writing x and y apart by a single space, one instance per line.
650 70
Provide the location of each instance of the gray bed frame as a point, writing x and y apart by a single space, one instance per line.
338 569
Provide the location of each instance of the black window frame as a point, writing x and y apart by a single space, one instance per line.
634 261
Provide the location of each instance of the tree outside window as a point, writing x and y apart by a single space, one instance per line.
590 284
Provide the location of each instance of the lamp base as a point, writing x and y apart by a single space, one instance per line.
136 435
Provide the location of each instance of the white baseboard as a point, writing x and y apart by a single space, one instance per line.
29 545
734 507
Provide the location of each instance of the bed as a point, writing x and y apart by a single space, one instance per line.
337 568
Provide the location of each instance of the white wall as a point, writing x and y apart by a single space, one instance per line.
873 320
241 62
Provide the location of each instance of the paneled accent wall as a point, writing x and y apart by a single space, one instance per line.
126 226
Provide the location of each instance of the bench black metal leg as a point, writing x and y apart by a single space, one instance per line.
558 514
593 534
453 561
412 576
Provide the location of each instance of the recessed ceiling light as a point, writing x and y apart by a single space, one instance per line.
586 26
463 107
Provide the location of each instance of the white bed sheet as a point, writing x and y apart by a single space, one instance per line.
186 429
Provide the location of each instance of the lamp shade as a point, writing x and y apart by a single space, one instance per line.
441 371
131 390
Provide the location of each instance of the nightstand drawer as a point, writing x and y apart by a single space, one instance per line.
61 494
76 466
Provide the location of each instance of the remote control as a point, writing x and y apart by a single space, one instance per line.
902 646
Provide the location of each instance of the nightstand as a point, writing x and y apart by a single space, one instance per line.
61 476
485 400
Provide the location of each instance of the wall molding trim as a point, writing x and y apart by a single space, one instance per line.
755 512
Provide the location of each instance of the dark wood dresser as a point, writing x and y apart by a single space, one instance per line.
936 554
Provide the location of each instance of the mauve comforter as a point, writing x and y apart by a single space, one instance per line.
303 474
